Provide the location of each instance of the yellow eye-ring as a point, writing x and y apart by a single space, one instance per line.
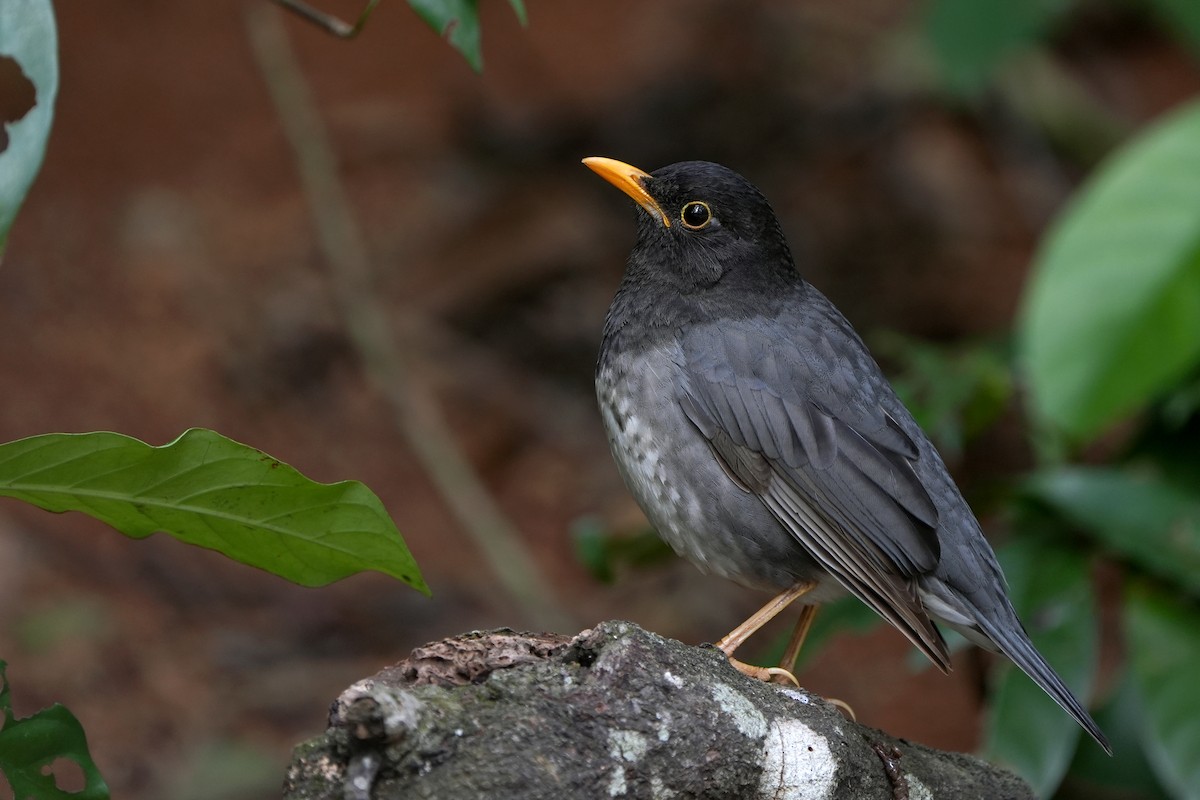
695 215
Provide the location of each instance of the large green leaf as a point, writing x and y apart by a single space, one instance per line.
1149 521
1051 588
458 22
210 491
971 39
30 746
1164 648
27 36
1111 317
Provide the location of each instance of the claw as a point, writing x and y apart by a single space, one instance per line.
781 676
843 706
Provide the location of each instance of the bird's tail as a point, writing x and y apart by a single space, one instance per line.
1012 640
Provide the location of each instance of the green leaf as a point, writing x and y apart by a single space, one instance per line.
27 36
518 7
1153 523
30 746
602 552
1183 18
457 21
1051 587
955 393
1111 317
1126 773
971 39
1164 648
209 491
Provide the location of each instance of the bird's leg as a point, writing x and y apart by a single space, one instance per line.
799 634
736 637
788 663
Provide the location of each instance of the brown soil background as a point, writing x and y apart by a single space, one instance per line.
164 274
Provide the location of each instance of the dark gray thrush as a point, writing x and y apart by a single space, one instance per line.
764 443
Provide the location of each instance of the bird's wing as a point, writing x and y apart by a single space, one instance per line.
800 424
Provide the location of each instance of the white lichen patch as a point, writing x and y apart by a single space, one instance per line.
672 679
917 790
627 745
616 783
797 763
658 791
400 710
664 725
748 719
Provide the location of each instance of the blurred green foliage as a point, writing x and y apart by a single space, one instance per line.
1109 334
1111 317
955 392
1107 347
972 42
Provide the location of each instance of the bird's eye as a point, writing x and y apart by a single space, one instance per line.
696 215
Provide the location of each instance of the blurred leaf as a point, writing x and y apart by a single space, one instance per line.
1052 590
1164 649
955 393
457 21
29 37
1153 523
602 553
591 549
30 746
1126 774
1183 17
1170 438
971 39
46 625
209 491
518 7
1111 316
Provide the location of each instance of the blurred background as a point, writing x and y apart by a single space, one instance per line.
166 272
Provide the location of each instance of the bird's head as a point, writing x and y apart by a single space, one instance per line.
703 223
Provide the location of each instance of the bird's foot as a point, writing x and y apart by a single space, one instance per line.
783 677
765 674
843 706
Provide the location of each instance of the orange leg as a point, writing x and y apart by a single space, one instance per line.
799 633
735 638
788 663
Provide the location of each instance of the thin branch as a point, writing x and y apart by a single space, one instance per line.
416 412
331 24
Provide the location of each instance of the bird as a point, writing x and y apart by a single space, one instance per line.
764 443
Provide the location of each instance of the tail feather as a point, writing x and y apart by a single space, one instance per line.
1013 641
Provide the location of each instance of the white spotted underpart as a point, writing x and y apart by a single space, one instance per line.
797 763
630 392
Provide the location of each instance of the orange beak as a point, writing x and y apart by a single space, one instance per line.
630 180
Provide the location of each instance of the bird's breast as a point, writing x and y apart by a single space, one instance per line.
670 469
